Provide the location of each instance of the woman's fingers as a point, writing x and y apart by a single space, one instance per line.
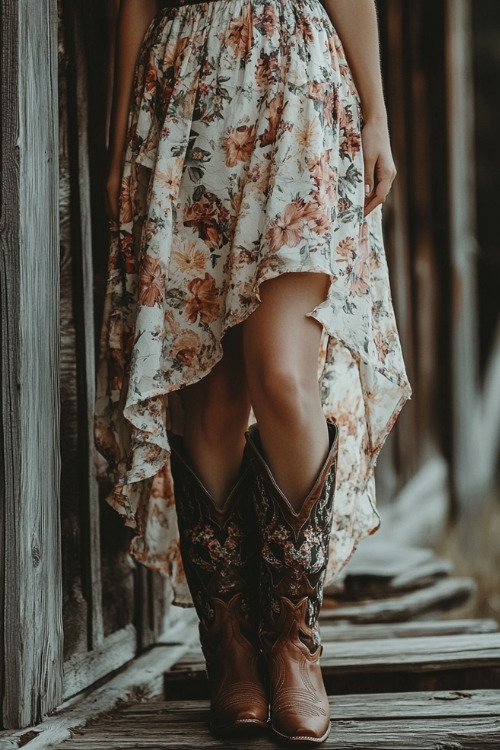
380 180
378 196
379 169
369 170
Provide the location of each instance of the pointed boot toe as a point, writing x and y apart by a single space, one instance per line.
295 547
244 711
300 710
219 556
239 702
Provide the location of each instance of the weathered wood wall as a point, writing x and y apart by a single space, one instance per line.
31 642
75 604
88 654
414 44
448 436
112 607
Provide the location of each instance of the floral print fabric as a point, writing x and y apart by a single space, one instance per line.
243 162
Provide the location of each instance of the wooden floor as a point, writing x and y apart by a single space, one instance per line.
458 662
395 681
427 656
408 721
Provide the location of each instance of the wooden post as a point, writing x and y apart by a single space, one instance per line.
82 290
31 642
468 482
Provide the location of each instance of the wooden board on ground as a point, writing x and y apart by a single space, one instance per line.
381 568
443 595
141 680
409 721
421 628
464 661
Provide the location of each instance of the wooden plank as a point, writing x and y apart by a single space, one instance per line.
151 602
467 661
418 629
432 704
460 734
384 559
85 668
30 343
444 594
413 654
413 722
388 655
75 602
141 680
10 304
86 328
382 567
82 297
490 412
468 483
162 722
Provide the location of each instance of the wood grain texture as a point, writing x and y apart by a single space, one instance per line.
140 680
418 629
411 721
390 655
30 398
460 734
87 667
75 601
442 595
419 705
464 661
10 439
421 720
82 289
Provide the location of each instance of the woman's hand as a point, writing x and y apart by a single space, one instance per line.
356 25
379 164
112 192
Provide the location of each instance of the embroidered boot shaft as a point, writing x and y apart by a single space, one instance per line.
219 557
294 548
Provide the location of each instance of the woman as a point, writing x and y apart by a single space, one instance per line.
246 263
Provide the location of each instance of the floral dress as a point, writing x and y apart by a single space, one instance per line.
243 161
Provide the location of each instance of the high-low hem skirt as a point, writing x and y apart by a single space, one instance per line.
243 162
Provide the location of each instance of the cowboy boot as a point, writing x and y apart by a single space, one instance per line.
218 554
294 557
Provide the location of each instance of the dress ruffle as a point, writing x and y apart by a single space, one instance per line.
243 162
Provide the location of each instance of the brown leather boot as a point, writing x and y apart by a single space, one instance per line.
294 558
219 558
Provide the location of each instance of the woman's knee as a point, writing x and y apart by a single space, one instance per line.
218 405
286 393
225 404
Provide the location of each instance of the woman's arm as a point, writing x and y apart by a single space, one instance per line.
356 24
134 17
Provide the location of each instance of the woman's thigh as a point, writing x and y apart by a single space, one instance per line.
280 341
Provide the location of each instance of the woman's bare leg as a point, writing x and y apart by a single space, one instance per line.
280 346
216 411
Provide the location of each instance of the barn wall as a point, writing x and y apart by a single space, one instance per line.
29 293
112 606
